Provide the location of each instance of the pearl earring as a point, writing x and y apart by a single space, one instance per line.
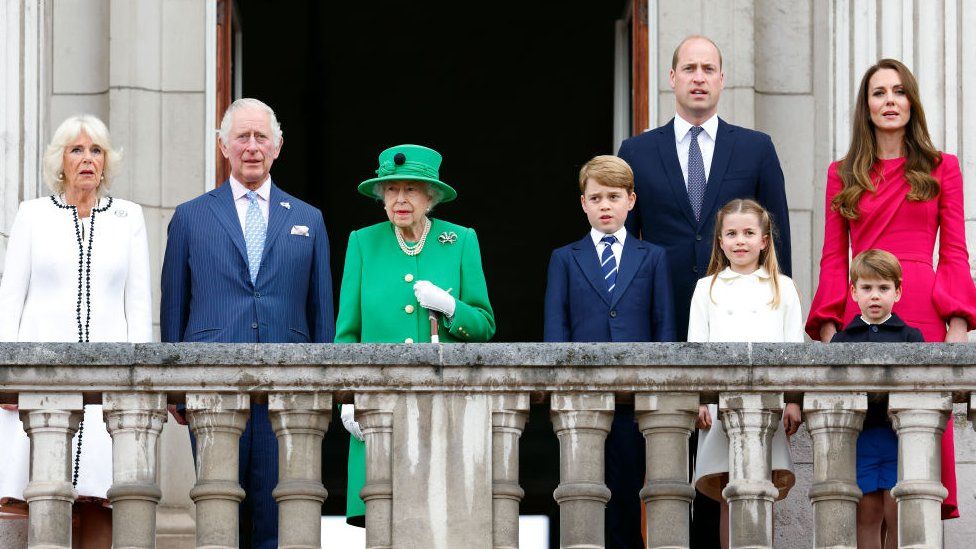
60 176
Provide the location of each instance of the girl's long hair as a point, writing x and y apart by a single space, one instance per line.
856 167
767 257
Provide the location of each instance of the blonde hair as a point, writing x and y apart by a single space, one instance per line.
878 264
52 164
607 170
767 257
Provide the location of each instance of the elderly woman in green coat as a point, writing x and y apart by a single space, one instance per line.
406 275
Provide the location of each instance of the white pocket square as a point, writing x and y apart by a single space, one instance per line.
300 230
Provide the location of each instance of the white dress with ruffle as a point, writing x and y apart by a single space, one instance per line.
736 309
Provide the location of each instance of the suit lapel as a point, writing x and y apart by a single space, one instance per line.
633 257
584 252
278 216
668 150
724 143
225 211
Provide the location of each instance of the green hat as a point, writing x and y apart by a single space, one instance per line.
409 162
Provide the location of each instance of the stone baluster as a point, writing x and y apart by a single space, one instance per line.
834 421
750 419
581 422
51 421
217 421
300 421
135 421
374 412
666 420
508 415
919 419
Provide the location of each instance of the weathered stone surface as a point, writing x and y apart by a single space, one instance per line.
783 32
80 56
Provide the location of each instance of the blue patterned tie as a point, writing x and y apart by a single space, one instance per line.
608 262
255 230
696 173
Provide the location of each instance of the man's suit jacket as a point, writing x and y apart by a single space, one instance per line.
207 294
579 308
744 165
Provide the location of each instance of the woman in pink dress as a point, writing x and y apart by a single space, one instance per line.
894 191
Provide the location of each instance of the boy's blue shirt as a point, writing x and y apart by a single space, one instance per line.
579 308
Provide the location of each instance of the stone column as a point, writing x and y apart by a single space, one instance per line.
920 419
51 421
508 415
217 421
581 421
134 420
834 421
300 421
666 420
750 420
374 412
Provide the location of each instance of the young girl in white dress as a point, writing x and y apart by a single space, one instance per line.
744 298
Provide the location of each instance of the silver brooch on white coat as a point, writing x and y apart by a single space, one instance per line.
286 205
121 213
447 237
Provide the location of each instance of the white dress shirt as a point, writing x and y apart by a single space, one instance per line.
241 201
617 248
706 142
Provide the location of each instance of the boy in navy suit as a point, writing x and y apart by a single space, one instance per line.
612 286
876 287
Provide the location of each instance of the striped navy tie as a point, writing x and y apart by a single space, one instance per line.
608 262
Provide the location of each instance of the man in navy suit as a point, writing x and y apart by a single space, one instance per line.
610 286
684 172
249 263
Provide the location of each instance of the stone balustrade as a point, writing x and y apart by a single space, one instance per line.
442 426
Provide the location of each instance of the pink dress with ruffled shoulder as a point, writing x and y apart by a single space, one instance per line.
931 294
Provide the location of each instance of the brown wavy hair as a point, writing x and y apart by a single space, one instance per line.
767 257
856 167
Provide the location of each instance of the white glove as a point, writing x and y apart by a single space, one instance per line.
347 413
433 298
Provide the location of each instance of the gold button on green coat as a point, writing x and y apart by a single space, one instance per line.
373 278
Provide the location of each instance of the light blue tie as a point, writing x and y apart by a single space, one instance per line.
255 230
696 173
608 262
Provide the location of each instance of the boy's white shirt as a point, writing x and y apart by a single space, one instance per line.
864 320
618 246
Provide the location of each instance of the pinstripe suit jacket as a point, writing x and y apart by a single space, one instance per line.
207 294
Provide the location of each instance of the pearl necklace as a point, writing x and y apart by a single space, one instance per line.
419 246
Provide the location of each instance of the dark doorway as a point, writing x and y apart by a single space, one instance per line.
515 95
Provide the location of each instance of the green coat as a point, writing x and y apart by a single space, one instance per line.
377 305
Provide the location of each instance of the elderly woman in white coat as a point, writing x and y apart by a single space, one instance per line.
76 270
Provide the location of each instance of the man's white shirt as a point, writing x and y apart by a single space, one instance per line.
241 202
706 142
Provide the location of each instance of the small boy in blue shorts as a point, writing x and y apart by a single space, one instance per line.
876 286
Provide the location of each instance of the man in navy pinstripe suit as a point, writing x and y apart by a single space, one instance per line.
248 262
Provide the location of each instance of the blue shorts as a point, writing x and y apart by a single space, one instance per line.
877 459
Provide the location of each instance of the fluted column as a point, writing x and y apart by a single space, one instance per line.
134 420
666 420
750 420
51 421
300 421
581 422
919 419
217 421
508 415
834 421
374 412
